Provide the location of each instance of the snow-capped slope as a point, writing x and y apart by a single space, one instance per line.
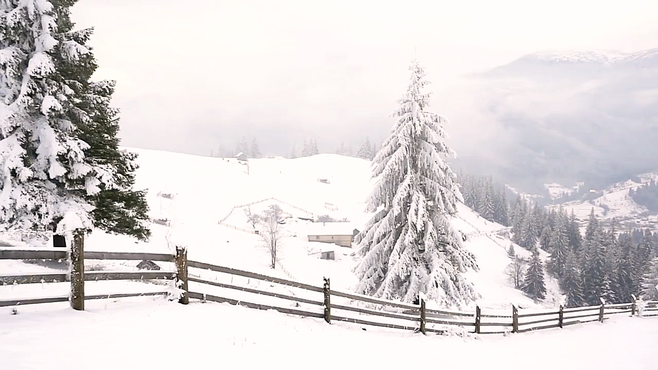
204 201
613 202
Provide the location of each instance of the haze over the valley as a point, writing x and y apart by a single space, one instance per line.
196 76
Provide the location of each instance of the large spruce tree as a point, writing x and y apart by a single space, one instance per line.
409 245
58 145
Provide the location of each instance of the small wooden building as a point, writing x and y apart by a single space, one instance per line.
340 233
241 157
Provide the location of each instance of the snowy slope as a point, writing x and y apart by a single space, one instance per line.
614 201
204 200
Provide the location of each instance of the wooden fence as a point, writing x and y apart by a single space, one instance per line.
197 280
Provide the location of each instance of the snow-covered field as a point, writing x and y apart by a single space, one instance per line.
195 193
152 333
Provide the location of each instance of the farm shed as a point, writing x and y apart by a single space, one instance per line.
341 233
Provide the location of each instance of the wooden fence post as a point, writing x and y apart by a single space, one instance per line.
560 320
601 311
181 276
515 319
477 319
422 316
633 305
77 260
326 289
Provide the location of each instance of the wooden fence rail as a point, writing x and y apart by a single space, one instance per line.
373 312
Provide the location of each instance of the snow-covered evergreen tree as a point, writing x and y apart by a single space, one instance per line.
650 282
313 144
575 238
596 281
545 238
365 150
592 226
62 168
254 150
559 245
501 208
642 262
511 253
624 284
310 148
409 246
572 283
342 150
527 238
533 284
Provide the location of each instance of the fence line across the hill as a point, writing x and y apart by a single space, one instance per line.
303 299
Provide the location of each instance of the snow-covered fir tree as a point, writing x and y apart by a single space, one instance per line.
623 274
592 226
409 246
511 253
642 261
342 150
559 245
533 284
254 150
596 281
545 238
650 282
310 148
365 150
62 168
572 284
573 230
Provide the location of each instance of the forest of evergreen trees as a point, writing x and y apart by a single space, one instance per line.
485 197
604 263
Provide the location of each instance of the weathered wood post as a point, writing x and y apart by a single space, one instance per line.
77 270
326 289
601 311
515 319
633 305
560 319
181 276
477 319
422 316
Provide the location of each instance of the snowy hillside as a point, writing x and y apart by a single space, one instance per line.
593 56
202 203
615 202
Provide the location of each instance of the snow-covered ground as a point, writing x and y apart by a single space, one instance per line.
195 193
152 333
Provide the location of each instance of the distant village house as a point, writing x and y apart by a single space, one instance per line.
340 233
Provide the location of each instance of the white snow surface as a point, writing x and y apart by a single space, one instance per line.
153 333
194 193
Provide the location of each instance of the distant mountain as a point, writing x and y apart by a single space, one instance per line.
573 116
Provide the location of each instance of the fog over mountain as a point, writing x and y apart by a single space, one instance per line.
566 117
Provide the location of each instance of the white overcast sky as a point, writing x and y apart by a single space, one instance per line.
189 71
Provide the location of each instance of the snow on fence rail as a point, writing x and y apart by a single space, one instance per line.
222 284
79 275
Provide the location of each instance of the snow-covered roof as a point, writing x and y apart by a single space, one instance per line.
330 228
